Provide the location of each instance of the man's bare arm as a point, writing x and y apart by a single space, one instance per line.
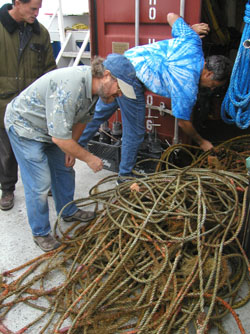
202 29
171 18
188 128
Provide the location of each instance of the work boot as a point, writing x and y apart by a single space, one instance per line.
47 243
7 200
80 215
123 179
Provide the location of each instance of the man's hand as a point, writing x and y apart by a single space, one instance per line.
205 145
188 128
72 149
69 160
202 29
95 163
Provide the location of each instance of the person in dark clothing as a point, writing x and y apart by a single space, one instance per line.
26 54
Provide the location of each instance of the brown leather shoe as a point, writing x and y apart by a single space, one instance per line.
7 200
47 243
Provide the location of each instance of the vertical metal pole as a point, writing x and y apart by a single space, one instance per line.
176 128
61 23
182 8
137 21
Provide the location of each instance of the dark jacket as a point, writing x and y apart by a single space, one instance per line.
25 55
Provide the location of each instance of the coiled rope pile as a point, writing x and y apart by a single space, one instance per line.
162 256
229 156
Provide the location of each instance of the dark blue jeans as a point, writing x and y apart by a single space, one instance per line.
133 125
42 166
8 163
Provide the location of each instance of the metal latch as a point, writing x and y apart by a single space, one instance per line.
246 44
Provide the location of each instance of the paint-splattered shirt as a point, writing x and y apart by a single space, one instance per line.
53 104
172 68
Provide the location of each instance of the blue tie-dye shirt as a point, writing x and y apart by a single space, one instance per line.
53 104
172 68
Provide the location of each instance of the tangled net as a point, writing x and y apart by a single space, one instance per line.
162 256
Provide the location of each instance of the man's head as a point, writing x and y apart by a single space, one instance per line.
25 10
216 72
118 74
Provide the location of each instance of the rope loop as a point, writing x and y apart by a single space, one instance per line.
235 107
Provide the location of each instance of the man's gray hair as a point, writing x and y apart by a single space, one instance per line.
97 67
221 67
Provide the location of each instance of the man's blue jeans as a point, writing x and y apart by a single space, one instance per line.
133 125
42 166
